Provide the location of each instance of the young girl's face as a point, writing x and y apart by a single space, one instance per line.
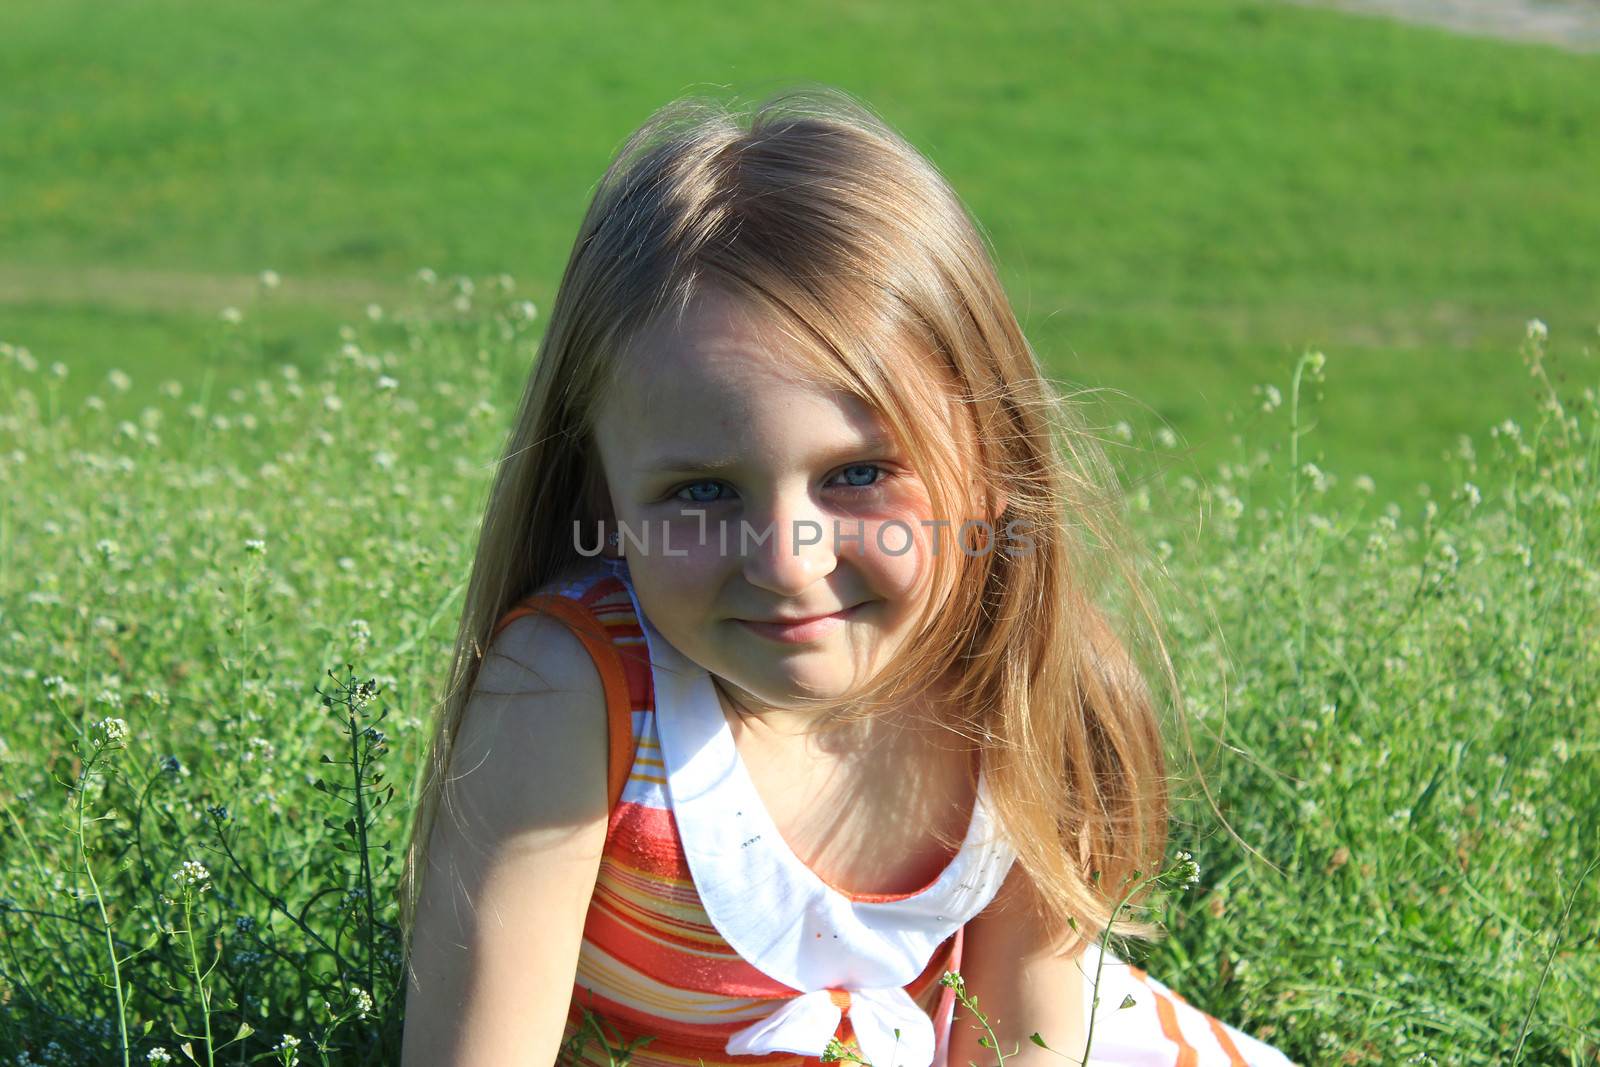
711 442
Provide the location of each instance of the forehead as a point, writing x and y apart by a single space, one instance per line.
725 362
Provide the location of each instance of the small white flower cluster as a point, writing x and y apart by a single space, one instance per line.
363 1000
255 546
110 733
363 693
159 1054
269 279
1187 870
193 875
287 1047
1319 478
1537 330
23 358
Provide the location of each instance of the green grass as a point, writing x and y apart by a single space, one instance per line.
1181 194
1393 703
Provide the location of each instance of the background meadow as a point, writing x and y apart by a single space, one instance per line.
271 278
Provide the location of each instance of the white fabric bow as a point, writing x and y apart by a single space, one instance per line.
806 1023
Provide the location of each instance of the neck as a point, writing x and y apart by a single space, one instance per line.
745 714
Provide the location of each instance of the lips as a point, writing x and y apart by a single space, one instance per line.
799 631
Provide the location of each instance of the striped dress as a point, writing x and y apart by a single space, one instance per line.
708 937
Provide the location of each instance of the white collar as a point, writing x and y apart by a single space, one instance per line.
777 913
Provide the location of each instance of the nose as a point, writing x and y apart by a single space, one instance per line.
798 548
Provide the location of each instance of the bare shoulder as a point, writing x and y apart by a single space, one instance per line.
535 724
513 858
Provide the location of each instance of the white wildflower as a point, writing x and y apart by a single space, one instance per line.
1537 330
269 279
1508 428
289 1044
193 875
232 316
110 733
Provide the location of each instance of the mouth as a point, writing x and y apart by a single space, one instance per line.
800 631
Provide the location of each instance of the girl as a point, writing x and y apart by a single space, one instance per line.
780 690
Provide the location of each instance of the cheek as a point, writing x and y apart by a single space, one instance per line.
898 554
682 586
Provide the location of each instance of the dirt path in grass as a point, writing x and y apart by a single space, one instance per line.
141 289
1570 24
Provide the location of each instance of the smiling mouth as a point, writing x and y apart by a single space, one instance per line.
799 630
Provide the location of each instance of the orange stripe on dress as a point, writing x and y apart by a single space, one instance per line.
1187 1056
1220 1032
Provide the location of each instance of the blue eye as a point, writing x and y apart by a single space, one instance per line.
863 467
677 494
872 471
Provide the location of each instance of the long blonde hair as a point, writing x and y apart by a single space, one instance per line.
824 217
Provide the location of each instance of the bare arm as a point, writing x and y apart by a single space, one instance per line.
1022 986
512 861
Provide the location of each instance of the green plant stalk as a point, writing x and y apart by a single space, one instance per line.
199 979
105 918
1099 966
1295 478
1561 929
361 837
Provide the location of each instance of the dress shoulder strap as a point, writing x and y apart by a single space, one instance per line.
576 607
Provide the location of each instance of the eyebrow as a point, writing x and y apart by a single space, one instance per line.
678 463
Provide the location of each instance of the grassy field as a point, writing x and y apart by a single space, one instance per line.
201 795
1181 194
201 519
